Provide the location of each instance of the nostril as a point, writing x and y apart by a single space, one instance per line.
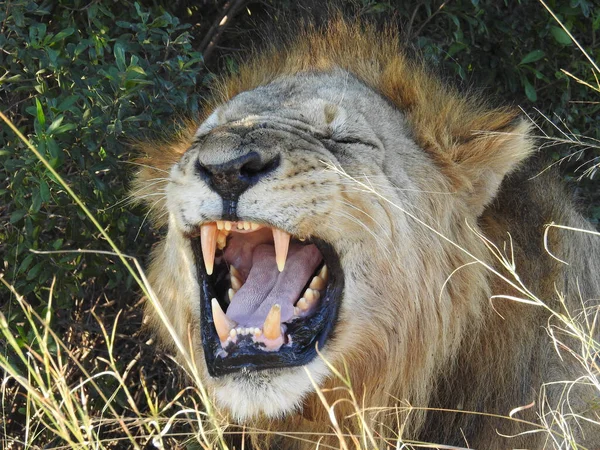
255 168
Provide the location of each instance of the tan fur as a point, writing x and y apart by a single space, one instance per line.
417 325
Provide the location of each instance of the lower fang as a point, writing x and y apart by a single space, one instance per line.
272 325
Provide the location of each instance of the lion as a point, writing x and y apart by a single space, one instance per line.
342 232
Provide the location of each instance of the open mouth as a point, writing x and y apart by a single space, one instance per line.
268 299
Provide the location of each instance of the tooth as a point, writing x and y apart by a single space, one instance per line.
221 240
272 325
302 304
227 225
324 273
234 272
232 333
282 244
257 332
223 324
231 293
208 241
236 283
317 283
311 296
297 311
219 224
240 225
246 225
254 226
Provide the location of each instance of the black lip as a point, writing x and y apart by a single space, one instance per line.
306 334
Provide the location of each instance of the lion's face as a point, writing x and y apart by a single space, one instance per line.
285 254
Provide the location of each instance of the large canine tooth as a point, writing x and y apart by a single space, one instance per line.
208 240
223 324
282 244
272 325
317 283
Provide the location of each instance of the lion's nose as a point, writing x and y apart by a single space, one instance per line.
232 178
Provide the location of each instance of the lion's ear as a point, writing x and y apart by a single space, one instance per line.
483 161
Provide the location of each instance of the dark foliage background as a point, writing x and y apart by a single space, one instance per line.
83 78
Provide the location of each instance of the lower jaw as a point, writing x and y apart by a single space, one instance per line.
271 394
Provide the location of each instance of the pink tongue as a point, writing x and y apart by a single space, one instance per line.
265 285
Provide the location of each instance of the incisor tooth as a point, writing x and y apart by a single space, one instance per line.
317 283
221 240
254 226
272 325
223 324
246 225
227 225
240 225
219 224
208 240
282 244
236 283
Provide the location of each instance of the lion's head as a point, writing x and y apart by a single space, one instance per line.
316 208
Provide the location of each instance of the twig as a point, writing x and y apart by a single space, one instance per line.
209 42
431 17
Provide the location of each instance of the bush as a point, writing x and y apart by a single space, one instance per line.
82 82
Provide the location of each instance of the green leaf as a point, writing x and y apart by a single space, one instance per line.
40 113
55 124
119 51
64 128
17 215
560 35
529 90
36 202
533 56
61 35
44 191
26 263
35 270
67 102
